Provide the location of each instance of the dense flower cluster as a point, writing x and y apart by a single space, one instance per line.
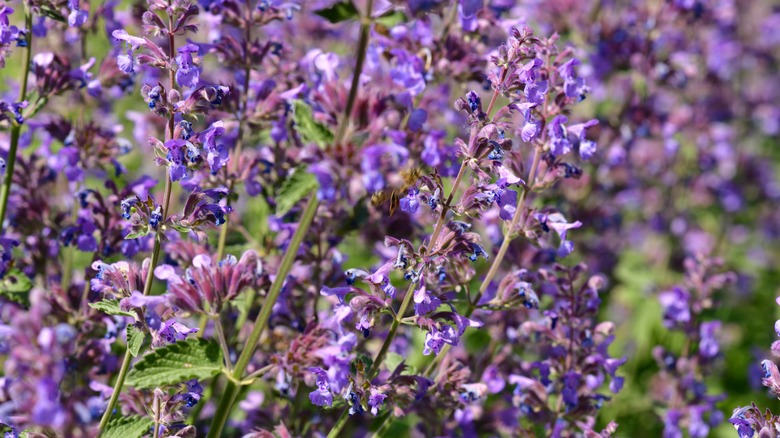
371 217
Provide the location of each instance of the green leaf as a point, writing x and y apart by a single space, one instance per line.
194 358
133 426
299 184
51 12
310 130
392 19
141 232
339 12
180 228
256 217
111 307
15 286
392 360
135 339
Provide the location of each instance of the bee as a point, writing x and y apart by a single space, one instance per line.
409 178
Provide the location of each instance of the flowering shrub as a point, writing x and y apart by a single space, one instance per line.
385 218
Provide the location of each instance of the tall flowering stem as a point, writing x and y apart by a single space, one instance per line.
233 385
239 132
380 357
365 30
16 130
169 134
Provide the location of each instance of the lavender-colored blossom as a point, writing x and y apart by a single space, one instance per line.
187 75
217 154
322 395
77 17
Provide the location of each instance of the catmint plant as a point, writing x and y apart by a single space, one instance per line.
387 218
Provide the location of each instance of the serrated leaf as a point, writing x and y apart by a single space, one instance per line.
15 286
176 363
339 12
296 187
310 130
135 339
133 426
111 307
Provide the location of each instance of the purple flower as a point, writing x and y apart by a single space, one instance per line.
571 384
409 203
708 344
327 190
77 17
205 281
437 337
417 119
507 202
573 86
611 366
126 62
558 223
177 162
529 72
170 332
217 154
408 71
187 75
376 400
587 147
556 132
672 424
697 427
47 410
493 379
535 92
322 395
676 308
424 303
82 233
191 394
375 158
467 11
6 254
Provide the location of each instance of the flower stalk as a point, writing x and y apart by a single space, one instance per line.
233 388
126 361
16 129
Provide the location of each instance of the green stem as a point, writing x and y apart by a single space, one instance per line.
380 357
157 411
120 380
223 342
365 30
243 105
508 237
16 129
232 388
115 395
